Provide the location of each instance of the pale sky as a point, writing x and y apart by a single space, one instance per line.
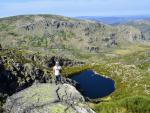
74 8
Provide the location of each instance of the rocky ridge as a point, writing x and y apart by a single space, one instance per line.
19 71
51 33
47 98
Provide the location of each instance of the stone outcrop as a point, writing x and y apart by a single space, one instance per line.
49 61
19 71
47 98
17 77
93 49
45 24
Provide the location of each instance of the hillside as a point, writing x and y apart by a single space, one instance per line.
56 33
143 25
30 45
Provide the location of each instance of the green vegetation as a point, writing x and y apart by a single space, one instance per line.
3 26
136 104
36 41
13 34
131 80
130 72
70 71
131 75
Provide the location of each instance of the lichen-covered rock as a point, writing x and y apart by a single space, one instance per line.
19 69
47 98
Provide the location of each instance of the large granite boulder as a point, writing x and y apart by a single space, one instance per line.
47 98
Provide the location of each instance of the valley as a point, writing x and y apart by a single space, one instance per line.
31 44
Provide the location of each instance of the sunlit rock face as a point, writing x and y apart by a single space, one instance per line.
47 98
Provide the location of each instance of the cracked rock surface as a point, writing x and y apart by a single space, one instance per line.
47 98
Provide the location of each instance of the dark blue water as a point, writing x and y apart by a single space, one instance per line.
93 85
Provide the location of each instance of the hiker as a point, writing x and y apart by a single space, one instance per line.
57 70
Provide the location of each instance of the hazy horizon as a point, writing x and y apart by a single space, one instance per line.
75 8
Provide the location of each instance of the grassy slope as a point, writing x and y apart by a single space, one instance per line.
130 70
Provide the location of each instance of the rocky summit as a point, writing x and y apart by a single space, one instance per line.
47 98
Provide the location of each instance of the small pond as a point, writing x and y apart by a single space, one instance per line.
93 85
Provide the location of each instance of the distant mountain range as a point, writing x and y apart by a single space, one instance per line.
114 20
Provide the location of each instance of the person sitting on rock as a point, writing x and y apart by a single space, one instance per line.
57 70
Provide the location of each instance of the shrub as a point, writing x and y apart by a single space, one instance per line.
137 104
106 107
